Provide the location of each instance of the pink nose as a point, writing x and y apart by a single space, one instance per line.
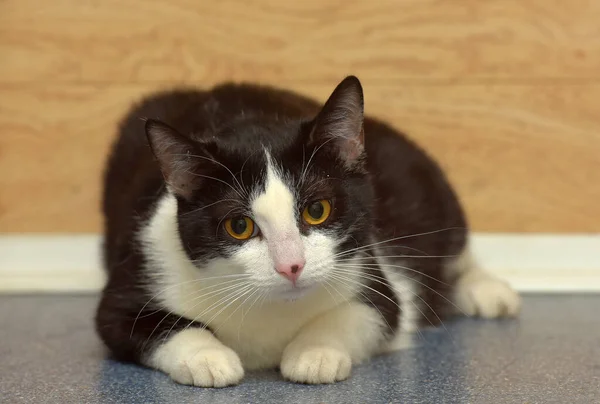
290 271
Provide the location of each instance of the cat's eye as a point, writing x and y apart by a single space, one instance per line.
316 212
241 227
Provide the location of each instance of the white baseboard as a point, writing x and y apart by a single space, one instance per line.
530 262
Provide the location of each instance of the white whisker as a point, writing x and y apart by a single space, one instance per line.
377 265
373 278
396 239
212 306
305 171
402 256
222 165
341 276
249 294
245 313
238 295
179 285
364 295
208 206
221 221
359 268
205 296
327 285
218 180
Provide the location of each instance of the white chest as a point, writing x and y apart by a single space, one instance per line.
257 331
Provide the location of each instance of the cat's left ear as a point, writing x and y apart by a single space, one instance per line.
178 157
339 125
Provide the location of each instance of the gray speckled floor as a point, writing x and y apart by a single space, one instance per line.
50 354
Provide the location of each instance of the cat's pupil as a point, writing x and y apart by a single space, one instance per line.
316 210
239 225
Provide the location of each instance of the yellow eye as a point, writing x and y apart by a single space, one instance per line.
240 228
316 212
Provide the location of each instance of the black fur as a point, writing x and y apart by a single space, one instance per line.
392 190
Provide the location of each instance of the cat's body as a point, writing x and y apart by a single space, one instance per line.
228 265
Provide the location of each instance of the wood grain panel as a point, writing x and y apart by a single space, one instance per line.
52 144
302 41
523 157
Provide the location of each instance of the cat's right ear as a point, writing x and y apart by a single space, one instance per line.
179 158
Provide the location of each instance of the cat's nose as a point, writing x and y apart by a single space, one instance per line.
290 271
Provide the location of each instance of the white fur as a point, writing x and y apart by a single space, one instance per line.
275 213
274 209
258 332
325 349
313 332
478 293
194 356
409 314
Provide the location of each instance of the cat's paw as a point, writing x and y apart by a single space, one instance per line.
208 367
480 294
195 357
316 365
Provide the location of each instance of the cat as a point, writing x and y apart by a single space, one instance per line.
249 227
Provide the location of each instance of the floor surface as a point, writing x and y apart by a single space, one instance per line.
50 354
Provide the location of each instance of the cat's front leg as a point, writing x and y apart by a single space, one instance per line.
183 349
195 356
326 348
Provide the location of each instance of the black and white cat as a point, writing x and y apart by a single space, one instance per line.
248 227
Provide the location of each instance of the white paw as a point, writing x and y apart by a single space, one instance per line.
208 367
486 296
194 356
316 365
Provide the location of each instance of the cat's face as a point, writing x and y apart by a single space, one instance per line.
283 203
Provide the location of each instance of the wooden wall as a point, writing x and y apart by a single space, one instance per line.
505 93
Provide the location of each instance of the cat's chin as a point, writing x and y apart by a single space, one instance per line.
293 294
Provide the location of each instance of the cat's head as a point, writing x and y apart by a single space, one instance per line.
281 201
